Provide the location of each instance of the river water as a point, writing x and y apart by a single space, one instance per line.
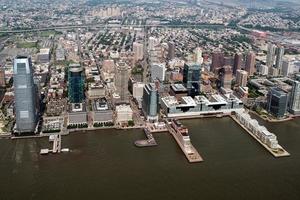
106 165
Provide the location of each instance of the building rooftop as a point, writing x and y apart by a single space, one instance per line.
178 88
100 104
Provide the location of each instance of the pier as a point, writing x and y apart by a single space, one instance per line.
189 150
149 142
260 134
56 148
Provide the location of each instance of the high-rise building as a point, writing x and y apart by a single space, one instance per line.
294 104
137 90
286 68
271 55
250 63
171 50
2 76
158 71
273 71
241 78
263 70
138 51
226 77
237 63
25 95
218 60
279 55
150 102
152 42
121 81
198 56
75 84
277 102
191 78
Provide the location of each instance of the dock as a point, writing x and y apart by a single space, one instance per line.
149 142
56 147
277 153
192 156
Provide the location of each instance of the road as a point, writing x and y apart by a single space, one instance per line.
107 26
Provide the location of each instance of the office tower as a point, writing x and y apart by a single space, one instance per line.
138 51
250 63
277 101
152 42
2 76
271 55
171 50
287 68
279 55
263 70
137 90
25 95
75 83
155 54
241 78
158 71
218 61
191 78
121 81
198 56
150 102
273 71
237 63
294 105
226 77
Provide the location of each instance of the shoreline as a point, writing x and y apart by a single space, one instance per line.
271 121
86 130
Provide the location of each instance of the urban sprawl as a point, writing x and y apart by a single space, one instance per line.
87 65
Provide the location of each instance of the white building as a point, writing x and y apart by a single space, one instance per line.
263 70
137 90
123 113
200 105
152 42
259 131
158 71
138 51
287 68
198 56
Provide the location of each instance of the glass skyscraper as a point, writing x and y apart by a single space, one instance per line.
150 102
277 102
25 95
76 84
294 105
191 78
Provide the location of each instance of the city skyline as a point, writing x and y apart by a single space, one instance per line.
175 89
